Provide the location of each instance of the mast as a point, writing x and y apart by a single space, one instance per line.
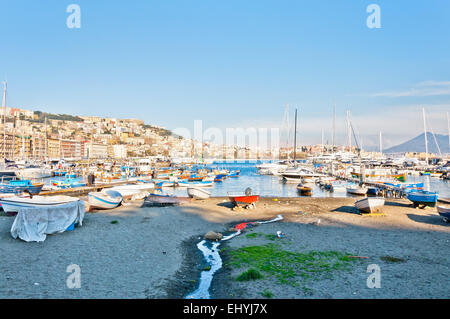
4 119
448 130
334 126
426 139
381 145
295 139
349 132
322 142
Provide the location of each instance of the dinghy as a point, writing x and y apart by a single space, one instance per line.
106 199
370 204
13 204
304 190
198 193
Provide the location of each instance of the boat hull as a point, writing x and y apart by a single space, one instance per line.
370 205
103 201
198 193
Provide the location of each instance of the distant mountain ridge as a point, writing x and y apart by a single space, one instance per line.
417 144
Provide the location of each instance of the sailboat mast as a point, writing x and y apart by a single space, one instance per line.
334 126
381 145
426 139
448 131
4 119
295 138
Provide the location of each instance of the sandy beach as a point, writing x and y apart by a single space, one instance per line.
134 252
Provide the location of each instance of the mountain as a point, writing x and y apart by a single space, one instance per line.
417 144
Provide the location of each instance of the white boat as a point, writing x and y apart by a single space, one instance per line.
106 199
33 173
298 174
370 204
13 204
198 193
357 190
130 190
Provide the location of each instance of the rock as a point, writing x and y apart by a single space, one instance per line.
213 236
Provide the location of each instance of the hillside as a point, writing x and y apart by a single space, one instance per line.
417 144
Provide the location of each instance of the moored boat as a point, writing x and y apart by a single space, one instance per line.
357 190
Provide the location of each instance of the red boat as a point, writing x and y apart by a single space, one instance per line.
244 199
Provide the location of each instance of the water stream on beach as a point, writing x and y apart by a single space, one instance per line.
211 254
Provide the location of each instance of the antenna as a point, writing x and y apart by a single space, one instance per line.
426 139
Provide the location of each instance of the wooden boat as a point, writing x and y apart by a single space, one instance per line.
13 204
161 200
370 204
423 198
198 193
106 199
18 186
444 212
357 190
304 190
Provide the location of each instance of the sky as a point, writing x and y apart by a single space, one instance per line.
234 63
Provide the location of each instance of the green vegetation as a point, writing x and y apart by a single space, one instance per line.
253 235
250 274
267 293
284 265
114 222
391 259
62 117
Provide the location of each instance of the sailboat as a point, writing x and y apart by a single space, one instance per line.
425 197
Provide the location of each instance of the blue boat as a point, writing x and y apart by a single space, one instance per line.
18 186
423 198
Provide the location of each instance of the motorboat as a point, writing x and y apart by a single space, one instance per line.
370 204
198 193
18 186
106 199
304 190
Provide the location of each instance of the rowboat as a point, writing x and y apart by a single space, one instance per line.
357 190
370 204
18 186
13 204
198 193
106 199
304 190
161 200
423 198
444 212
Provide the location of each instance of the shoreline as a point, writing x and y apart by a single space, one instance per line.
152 253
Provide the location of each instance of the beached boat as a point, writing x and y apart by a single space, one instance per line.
245 200
357 190
18 186
106 199
161 200
444 212
423 198
198 193
370 204
13 204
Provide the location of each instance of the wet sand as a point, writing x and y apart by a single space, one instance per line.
151 252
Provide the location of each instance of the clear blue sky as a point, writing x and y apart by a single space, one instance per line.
233 63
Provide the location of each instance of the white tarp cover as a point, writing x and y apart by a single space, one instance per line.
34 224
